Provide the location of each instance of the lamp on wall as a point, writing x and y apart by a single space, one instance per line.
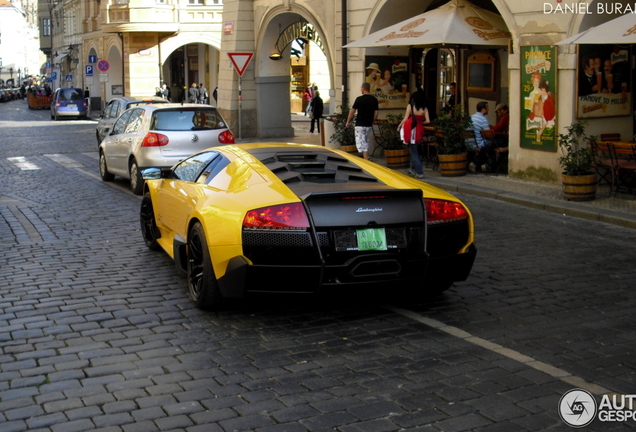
276 55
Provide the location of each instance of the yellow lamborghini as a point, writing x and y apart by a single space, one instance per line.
290 218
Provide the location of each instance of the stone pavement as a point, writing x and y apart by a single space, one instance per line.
619 210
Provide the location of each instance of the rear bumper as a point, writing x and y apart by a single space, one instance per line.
242 279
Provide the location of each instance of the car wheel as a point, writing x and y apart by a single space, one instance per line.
136 182
202 284
103 168
149 229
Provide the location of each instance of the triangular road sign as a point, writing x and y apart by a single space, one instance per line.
240 60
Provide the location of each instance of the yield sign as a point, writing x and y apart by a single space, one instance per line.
240 60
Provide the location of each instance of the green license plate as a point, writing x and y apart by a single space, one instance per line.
371 239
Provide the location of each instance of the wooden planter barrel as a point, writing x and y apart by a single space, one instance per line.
350 149
397 158
452 165
579 188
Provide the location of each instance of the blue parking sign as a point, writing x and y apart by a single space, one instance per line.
54 75
89 70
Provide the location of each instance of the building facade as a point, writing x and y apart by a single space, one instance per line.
19 41
299 43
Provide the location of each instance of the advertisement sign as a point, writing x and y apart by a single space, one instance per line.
389 79
538 97
604 87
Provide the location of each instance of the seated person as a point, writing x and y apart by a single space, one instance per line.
500 143
480 122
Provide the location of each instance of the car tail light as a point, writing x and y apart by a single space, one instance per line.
441 211
284 216
155 140
226 137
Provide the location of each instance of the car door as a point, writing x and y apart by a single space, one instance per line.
128 137
111 113
179 193
114 150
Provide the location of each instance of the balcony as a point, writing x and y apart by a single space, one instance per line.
161 16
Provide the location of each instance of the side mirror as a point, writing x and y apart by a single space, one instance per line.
151 173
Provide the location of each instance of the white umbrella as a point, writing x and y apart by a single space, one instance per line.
621 30
457 22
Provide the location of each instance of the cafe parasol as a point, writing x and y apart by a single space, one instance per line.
458 22
621 30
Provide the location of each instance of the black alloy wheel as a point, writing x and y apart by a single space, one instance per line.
149 229
202 284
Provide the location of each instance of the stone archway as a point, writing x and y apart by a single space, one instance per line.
274 84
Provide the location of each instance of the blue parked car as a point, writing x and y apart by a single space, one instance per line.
68 102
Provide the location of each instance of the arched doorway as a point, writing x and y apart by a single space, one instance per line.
292 56
191 63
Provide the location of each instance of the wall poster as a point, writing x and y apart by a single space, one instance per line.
538 96
389 80
604 82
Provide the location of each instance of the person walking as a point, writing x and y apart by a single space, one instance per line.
165 91
366 109
316 111
415 118
193 93
203 94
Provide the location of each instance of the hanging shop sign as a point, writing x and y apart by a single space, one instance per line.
298 30
538 97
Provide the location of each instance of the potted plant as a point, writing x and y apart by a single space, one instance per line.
579 177
345 136
451 145
396 152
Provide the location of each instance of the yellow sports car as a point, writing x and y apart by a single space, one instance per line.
290 218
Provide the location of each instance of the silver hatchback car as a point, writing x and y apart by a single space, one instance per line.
115 107
159 136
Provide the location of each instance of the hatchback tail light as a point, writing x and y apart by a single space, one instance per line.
441 211
283 216
155 140
226 137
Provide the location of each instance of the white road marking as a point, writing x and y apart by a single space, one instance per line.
65 161
22 163
555 372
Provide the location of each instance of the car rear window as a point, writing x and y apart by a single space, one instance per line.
71 94
187 119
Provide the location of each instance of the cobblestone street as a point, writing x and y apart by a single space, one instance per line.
97 332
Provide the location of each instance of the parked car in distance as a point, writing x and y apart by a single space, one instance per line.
159 136
115 107
265 218
68 102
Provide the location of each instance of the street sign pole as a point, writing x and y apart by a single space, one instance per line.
240 101
240 60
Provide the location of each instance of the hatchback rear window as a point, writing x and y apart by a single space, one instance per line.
187 119
71 94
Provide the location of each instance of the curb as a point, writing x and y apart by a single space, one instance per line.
564 208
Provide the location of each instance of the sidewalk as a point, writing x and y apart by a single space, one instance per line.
620 210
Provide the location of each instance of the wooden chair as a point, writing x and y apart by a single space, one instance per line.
624 166
610 137
379 138
603 163
428 146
